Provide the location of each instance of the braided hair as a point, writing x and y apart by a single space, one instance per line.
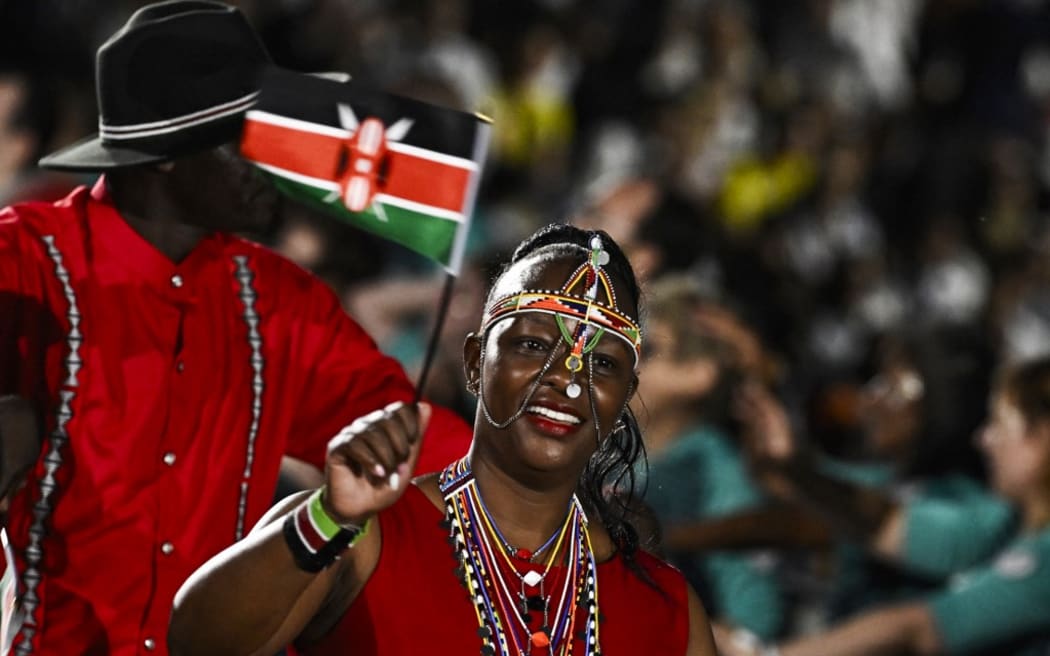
607 486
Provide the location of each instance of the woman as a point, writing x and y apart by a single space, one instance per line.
496 554
689 374
995 605
917 413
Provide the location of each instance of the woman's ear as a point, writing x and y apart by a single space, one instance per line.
472 361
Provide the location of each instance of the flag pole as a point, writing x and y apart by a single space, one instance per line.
459 247
435 334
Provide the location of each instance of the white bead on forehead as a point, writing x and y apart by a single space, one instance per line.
603 255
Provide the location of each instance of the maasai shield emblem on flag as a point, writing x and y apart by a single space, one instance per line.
402 169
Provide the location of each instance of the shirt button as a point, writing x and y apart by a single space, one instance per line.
169 458
167 548
149 643
180 366
176 281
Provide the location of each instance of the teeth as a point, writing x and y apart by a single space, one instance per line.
554 414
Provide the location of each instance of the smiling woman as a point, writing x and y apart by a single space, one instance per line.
516 549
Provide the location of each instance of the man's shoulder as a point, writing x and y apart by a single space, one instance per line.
34 219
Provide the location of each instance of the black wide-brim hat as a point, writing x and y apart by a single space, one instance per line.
175 80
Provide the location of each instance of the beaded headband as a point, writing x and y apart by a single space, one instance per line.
594 318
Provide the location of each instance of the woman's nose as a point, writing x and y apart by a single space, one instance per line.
562 372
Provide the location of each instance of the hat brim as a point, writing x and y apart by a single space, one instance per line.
92 155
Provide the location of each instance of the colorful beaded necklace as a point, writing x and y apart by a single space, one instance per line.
487 570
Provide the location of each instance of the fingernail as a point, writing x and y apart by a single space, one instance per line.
402 469
379 471
395 480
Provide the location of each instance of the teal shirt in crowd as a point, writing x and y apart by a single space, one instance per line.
998 599
936 546
954 525
861 580
700 476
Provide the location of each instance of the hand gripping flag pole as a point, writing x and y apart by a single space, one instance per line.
401 169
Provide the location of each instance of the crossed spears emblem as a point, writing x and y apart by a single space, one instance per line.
364 153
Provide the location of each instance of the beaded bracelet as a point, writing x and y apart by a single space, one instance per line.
314 538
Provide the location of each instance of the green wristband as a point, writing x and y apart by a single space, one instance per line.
328 527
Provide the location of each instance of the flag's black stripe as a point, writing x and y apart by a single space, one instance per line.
314 99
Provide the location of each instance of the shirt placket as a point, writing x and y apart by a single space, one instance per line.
171 445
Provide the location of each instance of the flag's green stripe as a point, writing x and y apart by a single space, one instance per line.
423 233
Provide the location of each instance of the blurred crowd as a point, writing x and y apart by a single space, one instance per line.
839 208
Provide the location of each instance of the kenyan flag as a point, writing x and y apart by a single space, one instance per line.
399 168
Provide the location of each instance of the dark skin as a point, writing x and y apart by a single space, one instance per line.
175 204
527 473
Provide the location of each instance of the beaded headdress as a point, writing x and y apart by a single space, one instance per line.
593 317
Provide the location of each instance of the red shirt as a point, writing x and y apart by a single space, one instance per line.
414 604
172 392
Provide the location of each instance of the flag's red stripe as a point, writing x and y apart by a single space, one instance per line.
317 156
306 153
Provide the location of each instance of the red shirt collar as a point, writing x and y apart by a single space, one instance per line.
116 241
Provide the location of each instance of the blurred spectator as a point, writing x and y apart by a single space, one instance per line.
995 592
688 375
917 414
27 125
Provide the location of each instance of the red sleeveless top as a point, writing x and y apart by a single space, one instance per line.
414 603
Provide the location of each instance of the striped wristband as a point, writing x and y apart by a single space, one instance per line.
314 538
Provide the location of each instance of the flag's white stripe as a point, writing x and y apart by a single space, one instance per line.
296 124
166 125
310 181
339 133
385 199
413 206
433 156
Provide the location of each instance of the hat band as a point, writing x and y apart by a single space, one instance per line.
167 126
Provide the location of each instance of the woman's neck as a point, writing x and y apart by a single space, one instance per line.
525 515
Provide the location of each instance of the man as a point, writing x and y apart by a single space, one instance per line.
174 364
